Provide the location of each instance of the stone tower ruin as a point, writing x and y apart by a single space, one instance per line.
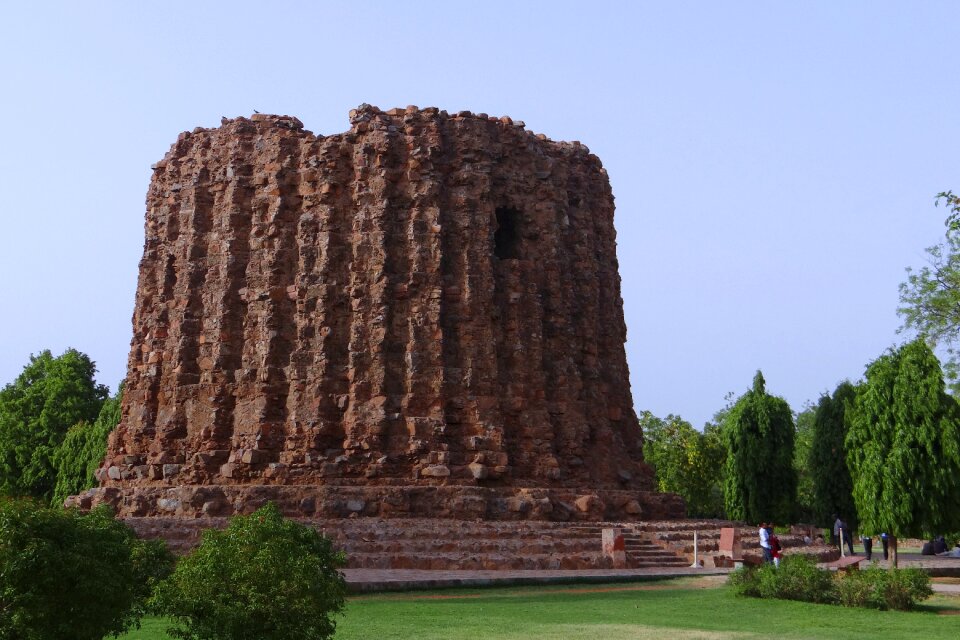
418 317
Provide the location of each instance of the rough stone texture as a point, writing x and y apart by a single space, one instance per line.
418 317
438 543
614 547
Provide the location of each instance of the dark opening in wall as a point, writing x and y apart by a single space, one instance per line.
506 239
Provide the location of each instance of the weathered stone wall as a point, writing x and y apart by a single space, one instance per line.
425 300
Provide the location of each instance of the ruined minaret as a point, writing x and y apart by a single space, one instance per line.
420 316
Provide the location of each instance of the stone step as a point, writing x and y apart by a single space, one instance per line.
452 561
371 536
503 545
640 544
651 557
655 565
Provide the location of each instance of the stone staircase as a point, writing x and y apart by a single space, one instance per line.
643 553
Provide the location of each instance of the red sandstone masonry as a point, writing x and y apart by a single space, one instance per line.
421 315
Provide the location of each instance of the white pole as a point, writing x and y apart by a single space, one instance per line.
841 542
696 562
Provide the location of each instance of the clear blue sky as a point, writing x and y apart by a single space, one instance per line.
774 163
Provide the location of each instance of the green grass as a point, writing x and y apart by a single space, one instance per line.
680 609
150 629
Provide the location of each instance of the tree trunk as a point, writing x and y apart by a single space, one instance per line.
893 552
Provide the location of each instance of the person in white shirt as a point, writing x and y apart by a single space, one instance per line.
765 543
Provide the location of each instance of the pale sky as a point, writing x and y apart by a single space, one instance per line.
774 163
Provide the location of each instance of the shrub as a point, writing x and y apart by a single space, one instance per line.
799 578
152 563
262 578
745 581
68 575
877 588
905 588
855 588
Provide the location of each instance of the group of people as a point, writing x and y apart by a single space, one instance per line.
842 535
772 550
770 544
938 547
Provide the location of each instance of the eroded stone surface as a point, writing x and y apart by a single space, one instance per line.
426 300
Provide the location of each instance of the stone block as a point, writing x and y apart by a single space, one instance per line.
478 471
730 545
435 471
254 456
614 547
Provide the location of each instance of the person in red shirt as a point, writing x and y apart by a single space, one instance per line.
775 548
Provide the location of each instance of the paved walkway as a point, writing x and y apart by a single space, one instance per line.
366 580
946 588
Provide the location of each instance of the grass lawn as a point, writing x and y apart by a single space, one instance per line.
682 609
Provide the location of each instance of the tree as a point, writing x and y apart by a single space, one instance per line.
687 462
36 410
79 455
262 578
930 298
903 447
803 441
832 486
64 574
760 483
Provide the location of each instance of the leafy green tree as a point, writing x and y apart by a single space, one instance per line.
36 410
69 575
79 455
903 447
687 462
760 483
832 486
262 578
803 440
930 298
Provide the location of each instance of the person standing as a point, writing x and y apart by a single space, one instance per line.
842 533
775 548
885 542
867 545
765 543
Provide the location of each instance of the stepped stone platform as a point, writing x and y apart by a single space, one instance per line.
435 544
430 544
677 536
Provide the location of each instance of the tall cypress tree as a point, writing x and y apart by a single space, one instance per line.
83 449
832 486
760 481
903 446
